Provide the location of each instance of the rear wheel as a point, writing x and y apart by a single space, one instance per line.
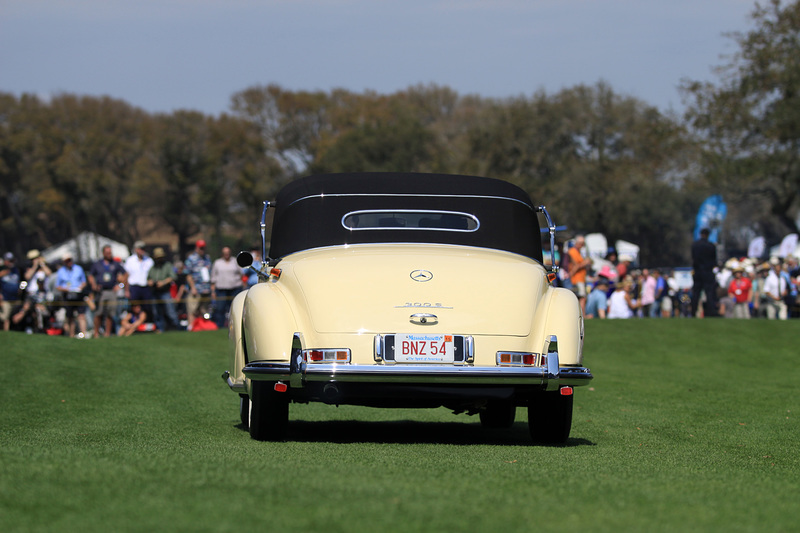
269 412
498 414
550 417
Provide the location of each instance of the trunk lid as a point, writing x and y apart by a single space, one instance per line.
377 288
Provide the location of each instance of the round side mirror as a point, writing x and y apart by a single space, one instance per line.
244 259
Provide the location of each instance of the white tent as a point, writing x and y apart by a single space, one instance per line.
596 245
628 249
85 248
788 246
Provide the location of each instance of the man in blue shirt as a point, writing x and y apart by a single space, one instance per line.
70 283
105 277
198 270
9 287
597 302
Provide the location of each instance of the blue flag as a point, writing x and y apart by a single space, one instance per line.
711 215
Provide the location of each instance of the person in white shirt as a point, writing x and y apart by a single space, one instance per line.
775 290
137 266
226 282
621 304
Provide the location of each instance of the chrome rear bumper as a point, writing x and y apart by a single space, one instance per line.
550 377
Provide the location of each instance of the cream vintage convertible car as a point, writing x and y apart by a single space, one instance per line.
406 290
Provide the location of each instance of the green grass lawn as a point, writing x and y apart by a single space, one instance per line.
689 425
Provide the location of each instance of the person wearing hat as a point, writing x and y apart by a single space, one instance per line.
759 296
741 291
9 288
198 276
70 284
160 280
36 292
137 266
105 277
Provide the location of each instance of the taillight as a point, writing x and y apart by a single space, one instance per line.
275 273
517 358
337 355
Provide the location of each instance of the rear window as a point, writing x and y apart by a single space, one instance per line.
410 220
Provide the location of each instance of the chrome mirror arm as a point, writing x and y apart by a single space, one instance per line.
246 260
264 258
552 228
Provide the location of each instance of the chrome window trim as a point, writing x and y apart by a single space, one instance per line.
407 195
425 211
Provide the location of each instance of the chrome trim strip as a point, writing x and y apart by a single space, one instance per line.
277 371
407 195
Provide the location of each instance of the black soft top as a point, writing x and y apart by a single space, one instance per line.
310 211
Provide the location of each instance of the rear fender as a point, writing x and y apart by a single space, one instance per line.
236 355
565 321
269 324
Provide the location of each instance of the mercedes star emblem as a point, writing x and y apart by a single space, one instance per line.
422 275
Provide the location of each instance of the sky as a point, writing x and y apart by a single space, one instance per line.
164 55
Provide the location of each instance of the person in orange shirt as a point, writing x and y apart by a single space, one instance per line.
579 266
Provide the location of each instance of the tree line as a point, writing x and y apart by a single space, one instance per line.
600 161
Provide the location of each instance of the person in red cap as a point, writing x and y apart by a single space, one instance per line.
198 276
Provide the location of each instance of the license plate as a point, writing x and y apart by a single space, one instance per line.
423 348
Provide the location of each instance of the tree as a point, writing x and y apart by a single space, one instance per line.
16 222
600 161
749 121
185 174
386 137
626 179
292 124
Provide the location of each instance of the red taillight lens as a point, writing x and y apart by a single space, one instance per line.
276 273
327 356
516 358
566 391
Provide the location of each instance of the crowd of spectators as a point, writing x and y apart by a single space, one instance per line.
741 288
156 292
146 292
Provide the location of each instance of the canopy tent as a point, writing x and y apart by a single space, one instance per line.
596 245
625 248
85 248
